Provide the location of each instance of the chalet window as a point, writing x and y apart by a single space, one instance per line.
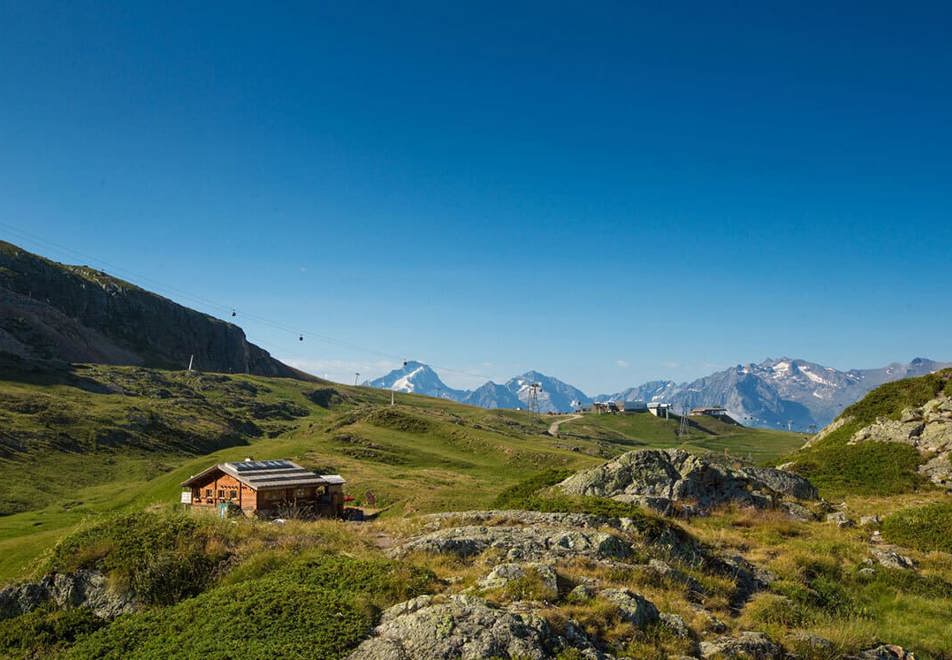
233 494
221 493
208 492
302 492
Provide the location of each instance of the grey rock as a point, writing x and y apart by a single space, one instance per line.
83 588
891 559
674 481
464 627
870 521
675 625
745 645
633 607
840 519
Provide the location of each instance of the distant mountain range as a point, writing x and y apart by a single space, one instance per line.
776 393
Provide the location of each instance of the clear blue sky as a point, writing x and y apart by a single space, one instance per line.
605 192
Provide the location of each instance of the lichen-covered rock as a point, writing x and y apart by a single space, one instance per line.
83 588
464 627
634 608
505 574
673 481
889 558
675 625
755 645
840 519
519 543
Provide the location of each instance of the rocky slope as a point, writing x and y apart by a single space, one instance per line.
51 311
925 425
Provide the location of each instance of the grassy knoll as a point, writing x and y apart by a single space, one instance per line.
839 469
703 434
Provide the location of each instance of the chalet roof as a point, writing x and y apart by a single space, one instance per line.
263 475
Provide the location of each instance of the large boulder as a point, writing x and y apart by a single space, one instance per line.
463 627
674 481
634 608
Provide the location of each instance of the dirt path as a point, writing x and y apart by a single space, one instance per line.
554 426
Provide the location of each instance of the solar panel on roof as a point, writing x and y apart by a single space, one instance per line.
248 466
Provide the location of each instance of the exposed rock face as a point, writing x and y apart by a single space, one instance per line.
463 627
664 540
745 645
928 428
80 589
49 311
673 480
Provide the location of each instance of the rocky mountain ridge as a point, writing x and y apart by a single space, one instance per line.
776 393
54 312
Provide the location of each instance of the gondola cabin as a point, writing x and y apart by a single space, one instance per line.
278 488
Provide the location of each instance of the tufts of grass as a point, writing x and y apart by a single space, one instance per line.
923 528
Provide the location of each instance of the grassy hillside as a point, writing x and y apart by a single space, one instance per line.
99 439
883 468
92 460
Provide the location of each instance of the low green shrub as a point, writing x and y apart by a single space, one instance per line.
317 606
45 632
870 468
160 557
923 528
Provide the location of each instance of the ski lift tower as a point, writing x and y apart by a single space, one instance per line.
533 401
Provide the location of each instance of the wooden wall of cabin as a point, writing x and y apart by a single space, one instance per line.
225 488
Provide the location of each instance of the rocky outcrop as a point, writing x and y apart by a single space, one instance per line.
661 538
81 589
50 311
673 481
520 543
464 627
928 428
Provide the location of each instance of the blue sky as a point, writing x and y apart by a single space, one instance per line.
605 192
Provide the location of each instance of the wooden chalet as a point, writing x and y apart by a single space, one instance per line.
278 488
